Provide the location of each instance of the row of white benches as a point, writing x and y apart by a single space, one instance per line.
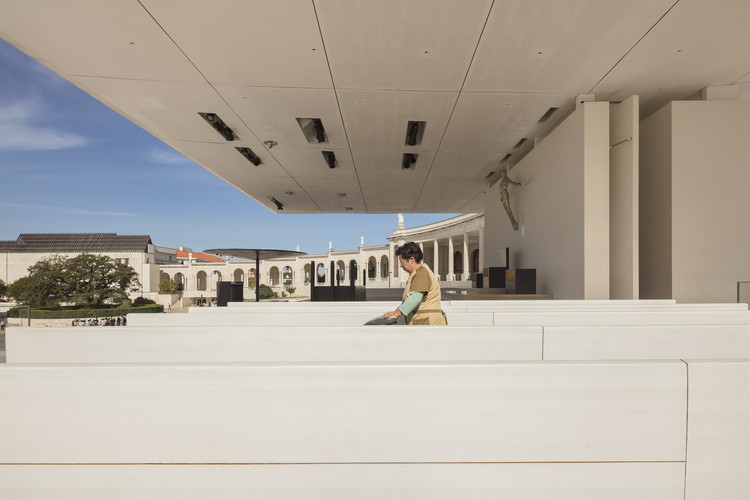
616 400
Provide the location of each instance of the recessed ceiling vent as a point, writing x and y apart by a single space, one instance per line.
330 158
250 156
414 133
219 125
410 161
547 114
506 157
519 143
313 129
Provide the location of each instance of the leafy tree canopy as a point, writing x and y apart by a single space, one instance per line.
86 279
44 286
96 279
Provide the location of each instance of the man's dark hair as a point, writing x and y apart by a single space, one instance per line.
409 250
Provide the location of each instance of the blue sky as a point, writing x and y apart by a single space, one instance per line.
69 164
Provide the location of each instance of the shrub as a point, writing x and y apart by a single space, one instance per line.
84 311
142 301
266 292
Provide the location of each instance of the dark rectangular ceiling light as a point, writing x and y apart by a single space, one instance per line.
547 114
519 143
409 161
506 157
219 125
313 129
330 158
414 133
251 157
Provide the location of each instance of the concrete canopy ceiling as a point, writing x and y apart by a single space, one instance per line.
479 73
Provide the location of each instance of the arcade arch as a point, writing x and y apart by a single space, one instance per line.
200 281
273 275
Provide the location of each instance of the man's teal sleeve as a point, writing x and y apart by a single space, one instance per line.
411 303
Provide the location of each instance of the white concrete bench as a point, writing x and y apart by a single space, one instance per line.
718 444
520 306
290 318
468 430
455 318
646 342
277 344
585 318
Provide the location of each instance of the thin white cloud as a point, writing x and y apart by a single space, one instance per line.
20 131
167 157
67 210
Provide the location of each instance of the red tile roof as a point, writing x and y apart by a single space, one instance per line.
184 254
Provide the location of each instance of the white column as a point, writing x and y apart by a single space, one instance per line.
467 271
451 275
436 260
392 260
481 250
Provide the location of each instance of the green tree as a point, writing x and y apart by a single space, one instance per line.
3 288
289 288
45 284
168 286
93 280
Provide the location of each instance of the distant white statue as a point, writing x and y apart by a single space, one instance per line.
330 246
361 241
400 221
504 181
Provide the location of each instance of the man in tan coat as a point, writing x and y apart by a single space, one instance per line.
421 299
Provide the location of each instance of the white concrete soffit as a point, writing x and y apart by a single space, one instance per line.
479 74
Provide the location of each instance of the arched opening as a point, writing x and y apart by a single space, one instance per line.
340 271
475 261
372 268
384 266
274 276
179 278
201 281
287 275
239 275
321 273
215 278
458 263
251 278
353 269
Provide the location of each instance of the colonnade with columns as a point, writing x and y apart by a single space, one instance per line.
451 248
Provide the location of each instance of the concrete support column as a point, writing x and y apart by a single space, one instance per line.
451 275
466 271
435 259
